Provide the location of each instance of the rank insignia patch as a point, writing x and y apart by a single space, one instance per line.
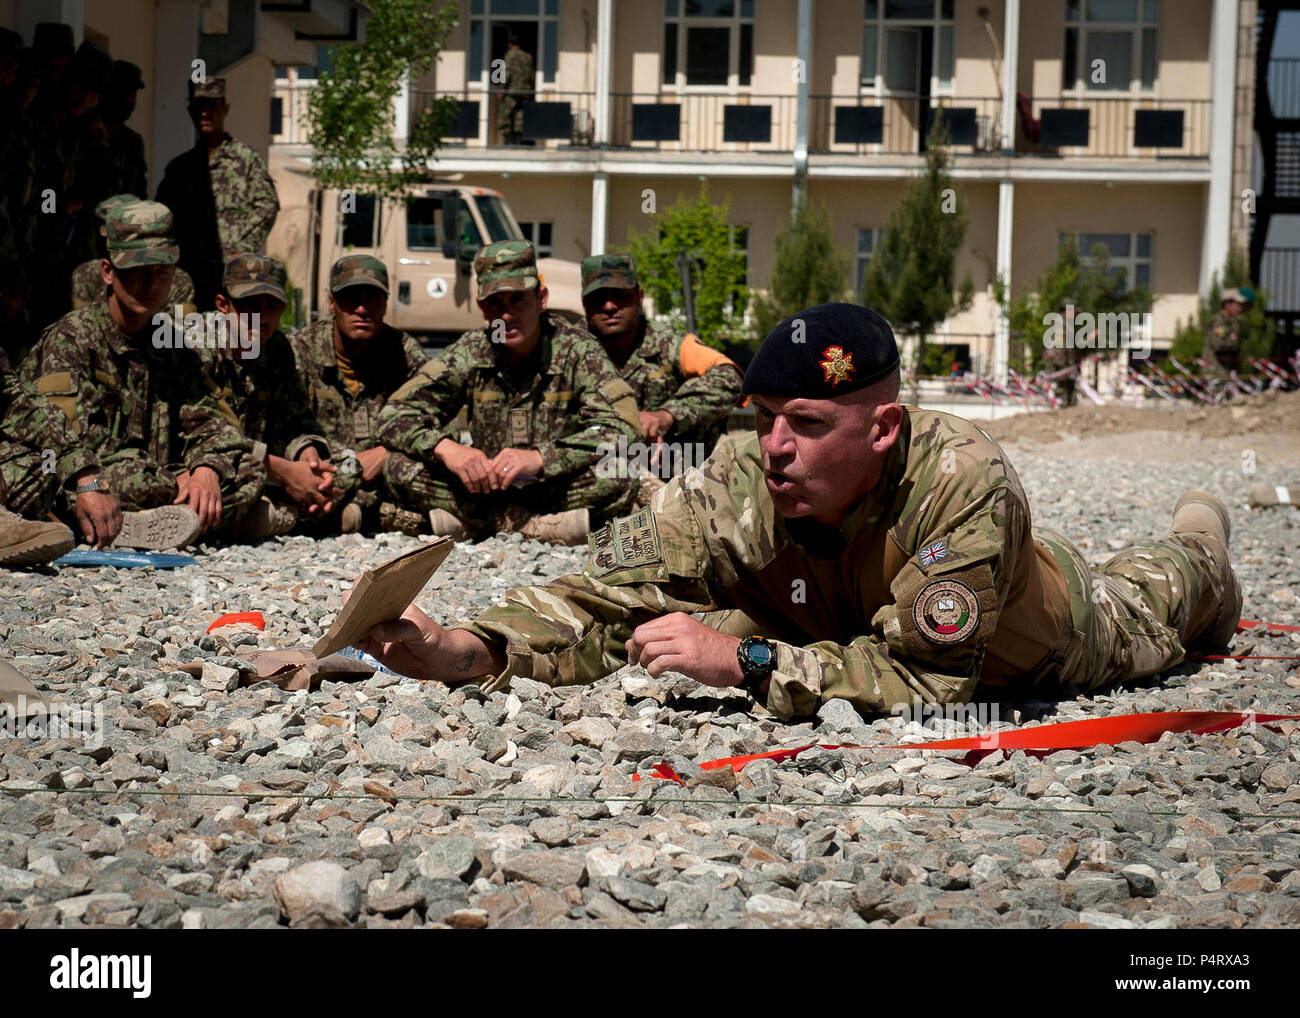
946 611
932 553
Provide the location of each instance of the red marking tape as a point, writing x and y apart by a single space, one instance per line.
234 618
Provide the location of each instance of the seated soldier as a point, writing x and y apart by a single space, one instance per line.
88 286
145 436
28 478
867 551
684 389
542 399
252 373
350 364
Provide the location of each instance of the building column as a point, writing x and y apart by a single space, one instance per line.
1219 202
1002 331
599 211
604 61
1010 60
803 47
402 111
173 133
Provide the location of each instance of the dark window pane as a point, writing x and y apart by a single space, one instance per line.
513 7
869 9
1148 57
945 10
1144 245
1142 275
549 58
1150 11
277 114
670 54
1112 10
707 55
1115 51
746 68
746 8
359 224
1118 244
476 6
424 224
710 8
1071 10
1069 60
909 8
544 234
281 73
552 8
670 8
475 49
869 56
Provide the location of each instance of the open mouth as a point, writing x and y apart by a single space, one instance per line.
780 482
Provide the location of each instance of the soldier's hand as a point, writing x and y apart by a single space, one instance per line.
679 643
325 472
372 462
655 424
99 516
469 464
203 494
303 485
509 464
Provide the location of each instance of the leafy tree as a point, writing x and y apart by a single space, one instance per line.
1088 283
807 269
350 111
1257 341
911 278
700 229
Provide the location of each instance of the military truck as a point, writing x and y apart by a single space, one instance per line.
428 241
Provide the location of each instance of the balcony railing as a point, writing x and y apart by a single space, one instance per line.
1077 127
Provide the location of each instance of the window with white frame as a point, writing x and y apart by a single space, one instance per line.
1110 45
708 43
536 22
1128 251
902 40
539 235
868 241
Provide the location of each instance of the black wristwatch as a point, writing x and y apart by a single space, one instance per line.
757 659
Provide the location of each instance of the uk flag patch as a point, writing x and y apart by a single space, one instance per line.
934 552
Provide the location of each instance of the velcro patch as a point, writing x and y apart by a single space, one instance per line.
57 382
626 543
946 611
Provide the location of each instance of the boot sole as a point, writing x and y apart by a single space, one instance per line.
37 550
158 529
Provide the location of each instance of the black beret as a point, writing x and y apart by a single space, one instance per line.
823 351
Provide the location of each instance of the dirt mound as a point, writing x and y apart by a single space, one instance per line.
1266 413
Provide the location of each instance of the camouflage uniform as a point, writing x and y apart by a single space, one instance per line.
37 455
693 382
350 421
520 79
933 586
224 202
566 401
88 287
1222 350
137 410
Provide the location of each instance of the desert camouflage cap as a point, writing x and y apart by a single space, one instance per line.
358 270
211 88
1241 294
608 272
250 274
114 201
140 233
506 265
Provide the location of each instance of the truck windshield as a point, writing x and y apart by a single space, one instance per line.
498 219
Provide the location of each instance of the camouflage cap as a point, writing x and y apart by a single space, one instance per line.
358 270
1241 294
506 265
608 272
250 274
211 88
140 233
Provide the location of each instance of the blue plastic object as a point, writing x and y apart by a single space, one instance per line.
125 559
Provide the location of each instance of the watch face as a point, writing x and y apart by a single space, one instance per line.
759 654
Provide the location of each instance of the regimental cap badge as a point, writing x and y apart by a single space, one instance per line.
838 365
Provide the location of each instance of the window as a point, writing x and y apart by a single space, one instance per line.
357 226
868 241
708 42
1110 45
424 230
535 22
498 219
905 43
539 234
1130 252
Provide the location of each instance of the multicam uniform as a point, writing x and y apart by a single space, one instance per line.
566 401
1222 350
934 585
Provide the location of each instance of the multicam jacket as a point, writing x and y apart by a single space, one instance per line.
566 401
933 583
351 422
1222 349
693 382
120 392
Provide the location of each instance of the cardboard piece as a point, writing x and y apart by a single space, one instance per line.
297 668
382 594
15 685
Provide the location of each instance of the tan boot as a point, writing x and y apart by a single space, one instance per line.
1200 514
168 526
403 520
31 542
350 519
444 524
266 519
569 528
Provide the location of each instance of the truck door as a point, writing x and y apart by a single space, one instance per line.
349 225
431 293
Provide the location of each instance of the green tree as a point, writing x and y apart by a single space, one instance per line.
1189 340
911 278
350 111
1087 283
700 229
807 269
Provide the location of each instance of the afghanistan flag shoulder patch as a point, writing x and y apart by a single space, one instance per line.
946 611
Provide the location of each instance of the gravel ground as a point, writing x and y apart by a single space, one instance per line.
395 803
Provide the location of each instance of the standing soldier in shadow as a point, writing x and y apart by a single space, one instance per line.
519 88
